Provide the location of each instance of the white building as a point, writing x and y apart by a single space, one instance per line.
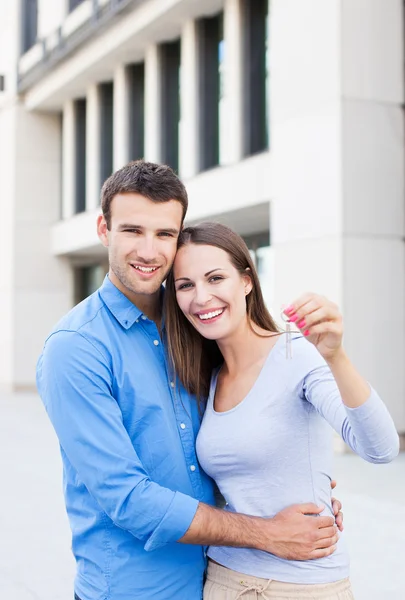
284 118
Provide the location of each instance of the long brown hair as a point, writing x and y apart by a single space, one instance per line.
192 356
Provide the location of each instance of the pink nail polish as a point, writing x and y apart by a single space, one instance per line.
306 332
293 318
289 310
301 323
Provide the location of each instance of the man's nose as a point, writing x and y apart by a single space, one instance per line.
147 250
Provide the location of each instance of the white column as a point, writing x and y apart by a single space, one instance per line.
373 194
189 146
337 218
68 164
93 132
306 212
231 110
121 118
153 134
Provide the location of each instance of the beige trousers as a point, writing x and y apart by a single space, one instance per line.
225 584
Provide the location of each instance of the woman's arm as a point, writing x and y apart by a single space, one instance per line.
336 389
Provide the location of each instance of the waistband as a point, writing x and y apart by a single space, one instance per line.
271 588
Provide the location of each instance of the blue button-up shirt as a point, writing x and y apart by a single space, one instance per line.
127 434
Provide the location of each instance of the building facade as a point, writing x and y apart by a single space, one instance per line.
284 118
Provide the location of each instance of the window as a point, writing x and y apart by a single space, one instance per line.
106 130
211 54
73 4
80 155
255 75
170 117
136 133
29 24
263 257
88 279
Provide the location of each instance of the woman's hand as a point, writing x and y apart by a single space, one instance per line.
320 321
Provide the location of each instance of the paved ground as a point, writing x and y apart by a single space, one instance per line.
35 560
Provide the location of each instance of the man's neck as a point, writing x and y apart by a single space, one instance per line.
149 304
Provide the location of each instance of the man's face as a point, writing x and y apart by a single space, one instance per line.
141 242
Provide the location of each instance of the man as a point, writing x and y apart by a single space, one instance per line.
140 507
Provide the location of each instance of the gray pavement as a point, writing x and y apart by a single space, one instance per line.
35 559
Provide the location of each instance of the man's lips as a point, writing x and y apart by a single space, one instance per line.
145 270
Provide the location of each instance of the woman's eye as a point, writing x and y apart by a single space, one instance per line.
183 286
215 278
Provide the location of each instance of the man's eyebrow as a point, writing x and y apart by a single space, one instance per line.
129 226
169 230
172 230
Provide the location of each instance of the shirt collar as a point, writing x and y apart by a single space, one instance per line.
123 309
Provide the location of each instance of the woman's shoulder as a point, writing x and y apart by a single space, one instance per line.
304 354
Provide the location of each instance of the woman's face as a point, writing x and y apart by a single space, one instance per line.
210 291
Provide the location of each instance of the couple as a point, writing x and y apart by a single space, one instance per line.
126 377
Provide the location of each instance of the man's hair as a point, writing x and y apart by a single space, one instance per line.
158 183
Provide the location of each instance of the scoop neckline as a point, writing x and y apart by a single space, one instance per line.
214 381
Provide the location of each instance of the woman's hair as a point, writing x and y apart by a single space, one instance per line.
192 356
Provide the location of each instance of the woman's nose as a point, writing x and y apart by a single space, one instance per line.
202 295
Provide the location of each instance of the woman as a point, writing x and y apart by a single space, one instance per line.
265 437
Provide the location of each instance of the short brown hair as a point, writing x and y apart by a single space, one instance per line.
158 183
192 356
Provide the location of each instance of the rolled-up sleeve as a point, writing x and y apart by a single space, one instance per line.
74 380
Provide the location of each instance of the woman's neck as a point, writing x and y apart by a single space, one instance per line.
246 346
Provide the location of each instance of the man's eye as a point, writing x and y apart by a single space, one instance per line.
165 234
131 230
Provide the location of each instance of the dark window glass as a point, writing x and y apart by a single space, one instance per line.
88 279
106 130
29 24
136 142
255 75
73 4
170 112
210 51
80 156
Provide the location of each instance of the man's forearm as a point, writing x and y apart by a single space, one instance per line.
291 534
217 527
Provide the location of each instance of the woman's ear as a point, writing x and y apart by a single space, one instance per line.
247 280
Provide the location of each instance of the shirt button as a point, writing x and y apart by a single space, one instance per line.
143 318
192 468
156 342
172 384
182 425
136 320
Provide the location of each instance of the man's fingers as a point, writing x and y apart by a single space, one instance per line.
326 532
327 542
339 520
310 509
322 553
325 522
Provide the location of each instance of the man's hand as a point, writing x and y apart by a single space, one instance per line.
297 533
337 508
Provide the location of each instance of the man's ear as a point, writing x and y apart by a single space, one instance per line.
102 230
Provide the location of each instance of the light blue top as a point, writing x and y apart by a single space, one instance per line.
274 449
131 477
